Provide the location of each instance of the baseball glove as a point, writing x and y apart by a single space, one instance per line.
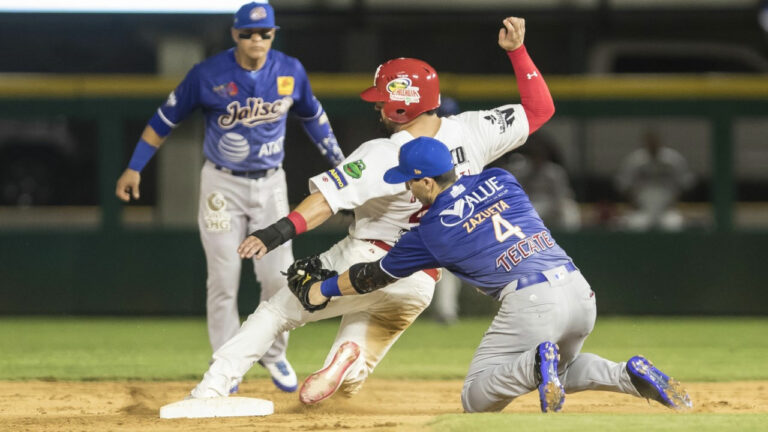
302 274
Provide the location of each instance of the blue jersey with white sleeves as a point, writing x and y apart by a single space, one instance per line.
245 111
484 230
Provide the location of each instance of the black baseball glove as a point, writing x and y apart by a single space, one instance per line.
302 274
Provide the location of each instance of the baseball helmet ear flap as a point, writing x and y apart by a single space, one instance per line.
408 87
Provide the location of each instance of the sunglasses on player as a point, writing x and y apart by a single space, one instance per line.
264 33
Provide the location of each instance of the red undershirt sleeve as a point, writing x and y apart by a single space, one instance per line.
534 94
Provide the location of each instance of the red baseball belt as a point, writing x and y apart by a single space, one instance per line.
433 272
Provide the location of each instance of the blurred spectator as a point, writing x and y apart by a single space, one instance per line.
546 183
445 302
652 178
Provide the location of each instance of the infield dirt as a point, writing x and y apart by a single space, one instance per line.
382 405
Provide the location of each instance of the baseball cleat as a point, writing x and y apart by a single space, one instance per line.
283 375
323 384
652 383
551 391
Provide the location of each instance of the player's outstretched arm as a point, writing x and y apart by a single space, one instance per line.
128 183
309 214
361 278
534 93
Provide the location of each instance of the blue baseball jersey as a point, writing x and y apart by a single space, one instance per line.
245 111
484 230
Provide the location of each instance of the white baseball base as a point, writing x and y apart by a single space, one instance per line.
217 407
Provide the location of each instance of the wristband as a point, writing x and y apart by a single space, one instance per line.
330 287
141 155
298 222
276 234
517 53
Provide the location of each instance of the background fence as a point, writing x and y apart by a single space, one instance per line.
77 89
106 258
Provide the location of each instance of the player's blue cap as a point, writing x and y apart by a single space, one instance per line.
255 15
419 158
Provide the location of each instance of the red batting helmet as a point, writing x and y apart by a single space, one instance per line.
407 86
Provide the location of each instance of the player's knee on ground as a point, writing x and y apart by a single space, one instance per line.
475 398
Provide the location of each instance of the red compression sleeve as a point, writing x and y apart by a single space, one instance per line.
298 221
534 94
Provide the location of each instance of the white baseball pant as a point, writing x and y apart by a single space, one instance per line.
374 321
230 208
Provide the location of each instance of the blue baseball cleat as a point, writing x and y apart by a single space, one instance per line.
551 391
282 375
652 383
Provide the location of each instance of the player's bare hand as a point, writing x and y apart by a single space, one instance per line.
316 296
511 36
252 246
128 185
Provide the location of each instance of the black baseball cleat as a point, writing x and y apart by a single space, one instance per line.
551 391
654 384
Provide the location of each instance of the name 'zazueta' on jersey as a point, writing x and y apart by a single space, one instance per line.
485 230
245 111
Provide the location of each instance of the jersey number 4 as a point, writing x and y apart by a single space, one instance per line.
504 230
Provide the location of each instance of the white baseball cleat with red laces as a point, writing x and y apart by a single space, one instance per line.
323 384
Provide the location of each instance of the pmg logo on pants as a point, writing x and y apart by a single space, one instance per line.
217 218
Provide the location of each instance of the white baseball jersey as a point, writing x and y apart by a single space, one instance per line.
383 211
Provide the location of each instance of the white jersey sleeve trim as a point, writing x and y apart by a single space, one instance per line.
165 119
388 273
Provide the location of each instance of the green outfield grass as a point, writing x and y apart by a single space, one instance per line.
692 349
600 422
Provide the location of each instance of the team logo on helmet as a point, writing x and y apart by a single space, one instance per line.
402 89
258 13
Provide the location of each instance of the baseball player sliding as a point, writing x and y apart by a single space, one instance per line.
406 93
547 307
246 94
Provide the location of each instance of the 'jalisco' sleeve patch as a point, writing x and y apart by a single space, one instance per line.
338 178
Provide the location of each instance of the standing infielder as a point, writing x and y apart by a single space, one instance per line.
246 94
484 229
406 93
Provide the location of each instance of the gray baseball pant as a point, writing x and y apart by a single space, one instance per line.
561 310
